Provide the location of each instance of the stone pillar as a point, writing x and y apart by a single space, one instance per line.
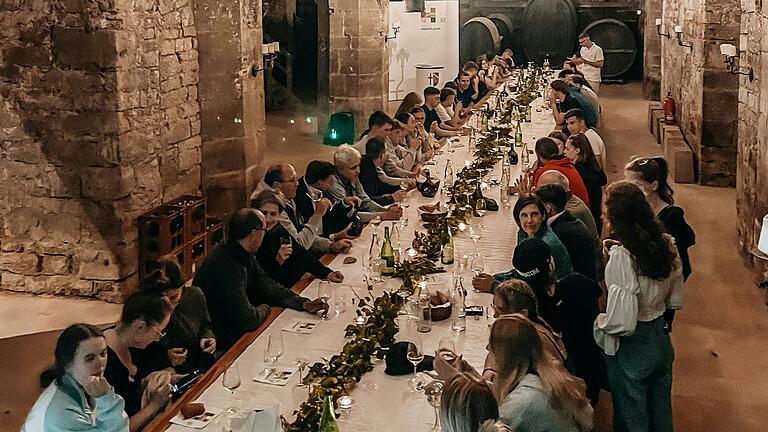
752 164
652 50
358 64
706 94
231 99
99 124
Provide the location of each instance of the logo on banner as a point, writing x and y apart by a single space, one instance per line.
434 79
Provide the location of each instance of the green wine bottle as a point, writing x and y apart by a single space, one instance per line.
328 417
388 254
518 135
446 256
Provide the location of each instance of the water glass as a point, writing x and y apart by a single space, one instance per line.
231 378
324 293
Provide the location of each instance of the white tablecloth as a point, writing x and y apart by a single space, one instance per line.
382 402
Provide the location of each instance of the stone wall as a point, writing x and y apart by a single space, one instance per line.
358 66
705 93
98 123
752 184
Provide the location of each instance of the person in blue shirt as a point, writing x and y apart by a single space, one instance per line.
77 396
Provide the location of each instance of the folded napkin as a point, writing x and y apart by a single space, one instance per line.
266 420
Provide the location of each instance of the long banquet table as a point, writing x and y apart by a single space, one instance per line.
382 402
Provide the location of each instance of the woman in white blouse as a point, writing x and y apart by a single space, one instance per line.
644 278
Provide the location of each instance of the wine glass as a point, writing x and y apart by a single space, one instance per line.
231 378
314 194
404 204
480 209
324 293
433 391
475 234
339 302
415 355
446 344
477 266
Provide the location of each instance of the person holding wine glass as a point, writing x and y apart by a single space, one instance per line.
379 191
284 259
319 177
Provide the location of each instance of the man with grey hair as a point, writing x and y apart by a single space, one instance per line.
347 161
575 205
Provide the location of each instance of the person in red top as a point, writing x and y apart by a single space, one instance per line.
550 158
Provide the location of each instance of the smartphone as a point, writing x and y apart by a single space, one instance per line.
475 310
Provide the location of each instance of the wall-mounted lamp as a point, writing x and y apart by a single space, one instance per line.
679 33
729 56
395 29
269 52
762 243
658 28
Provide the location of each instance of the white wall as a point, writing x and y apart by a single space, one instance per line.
436 44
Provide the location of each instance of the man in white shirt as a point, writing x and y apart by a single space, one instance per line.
590 62
574 119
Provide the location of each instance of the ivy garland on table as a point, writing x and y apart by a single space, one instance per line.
376 334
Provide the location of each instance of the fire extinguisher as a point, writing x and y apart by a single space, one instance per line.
669 110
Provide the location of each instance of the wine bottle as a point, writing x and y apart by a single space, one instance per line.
328 417
518 135
446 256
387 254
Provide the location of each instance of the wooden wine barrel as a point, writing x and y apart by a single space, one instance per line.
549 30
505 28
478 36
618 44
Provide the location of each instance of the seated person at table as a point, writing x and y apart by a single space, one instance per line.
318 178
380 125
466 93
432 123
549 158
516 296
535 394
450 118
531 217
570 306
280 256
282 178
571 231
580 83
238 291
507 59
575 205
142 322
347 161
467 404
570 98
76 395
416 149
488 69
380 192
428 141
189 342
410 101
479 86
577 125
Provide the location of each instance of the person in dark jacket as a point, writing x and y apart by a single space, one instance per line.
238 291
579 150
650 174
280 256
189 342
571 231
382 193
319 177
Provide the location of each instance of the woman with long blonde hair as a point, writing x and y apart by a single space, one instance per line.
468 405
534 393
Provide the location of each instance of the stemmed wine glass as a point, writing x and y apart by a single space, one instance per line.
404 185
324 293
314 194
415 355
433 391
480 208
231 378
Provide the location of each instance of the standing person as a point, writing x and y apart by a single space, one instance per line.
644 278
650 174
76 395
189 342
535 394
142 322
590 61
579 150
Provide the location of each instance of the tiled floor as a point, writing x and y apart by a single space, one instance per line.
720 370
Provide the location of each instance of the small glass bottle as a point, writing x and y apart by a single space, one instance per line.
459 305
425 307
504 188
448 178
446 255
